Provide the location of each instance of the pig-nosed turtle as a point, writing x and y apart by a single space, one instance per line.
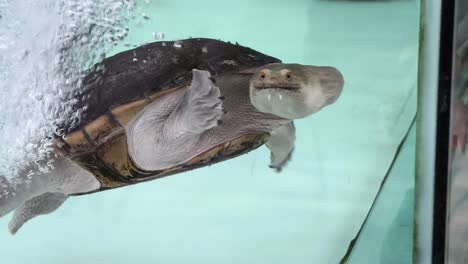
168 107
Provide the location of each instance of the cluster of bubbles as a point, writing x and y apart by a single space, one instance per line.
45 48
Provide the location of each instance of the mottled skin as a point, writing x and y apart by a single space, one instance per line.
191 120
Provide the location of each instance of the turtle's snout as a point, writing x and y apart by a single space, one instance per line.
331 81
324 86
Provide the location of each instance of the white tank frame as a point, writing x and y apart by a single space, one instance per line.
431 13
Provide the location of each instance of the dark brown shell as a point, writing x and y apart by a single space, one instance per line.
119 87
134 74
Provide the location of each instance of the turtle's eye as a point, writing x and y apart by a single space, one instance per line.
263 74
288 76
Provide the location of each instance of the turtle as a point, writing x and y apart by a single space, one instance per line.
168 107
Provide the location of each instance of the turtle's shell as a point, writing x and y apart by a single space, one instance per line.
119 87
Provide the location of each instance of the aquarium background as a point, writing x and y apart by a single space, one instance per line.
351 176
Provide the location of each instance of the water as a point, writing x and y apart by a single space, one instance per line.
238 211
44 48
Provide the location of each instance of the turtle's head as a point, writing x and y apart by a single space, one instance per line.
294 91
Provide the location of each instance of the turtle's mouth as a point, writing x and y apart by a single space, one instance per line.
277 87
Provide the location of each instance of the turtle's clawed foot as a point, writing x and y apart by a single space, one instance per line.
278 163
281 144
205 103
39 205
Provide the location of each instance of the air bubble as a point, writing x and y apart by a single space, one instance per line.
158 35
178 44
39 73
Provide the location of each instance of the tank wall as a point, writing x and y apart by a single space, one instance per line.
240 211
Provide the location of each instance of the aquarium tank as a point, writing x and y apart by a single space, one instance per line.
266 131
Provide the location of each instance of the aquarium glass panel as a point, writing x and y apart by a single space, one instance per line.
89 88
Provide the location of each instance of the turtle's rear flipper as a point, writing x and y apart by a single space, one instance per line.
39 205
12 195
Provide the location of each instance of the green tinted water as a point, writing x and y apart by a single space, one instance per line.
240 211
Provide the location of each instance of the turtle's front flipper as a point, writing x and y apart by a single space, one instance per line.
168 130
39 205
202 107
281 145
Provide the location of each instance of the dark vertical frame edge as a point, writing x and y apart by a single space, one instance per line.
443 131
